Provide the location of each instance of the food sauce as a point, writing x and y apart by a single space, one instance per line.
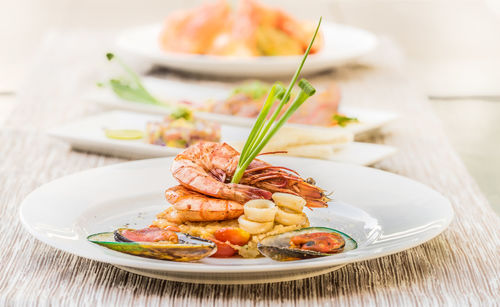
322 242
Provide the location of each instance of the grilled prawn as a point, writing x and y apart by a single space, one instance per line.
207 168
192 206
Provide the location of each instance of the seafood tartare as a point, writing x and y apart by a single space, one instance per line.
181 132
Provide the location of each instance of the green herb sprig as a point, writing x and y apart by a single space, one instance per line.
263 130
132 89
343 120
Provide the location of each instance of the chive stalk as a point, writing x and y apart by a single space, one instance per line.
262 130
133 90
275 91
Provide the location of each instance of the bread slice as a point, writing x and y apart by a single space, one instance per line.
299 136
306 142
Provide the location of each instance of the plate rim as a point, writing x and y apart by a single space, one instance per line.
218 279
233 269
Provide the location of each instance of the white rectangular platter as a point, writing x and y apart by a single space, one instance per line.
88 135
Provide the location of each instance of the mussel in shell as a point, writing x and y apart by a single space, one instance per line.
306 243
155 243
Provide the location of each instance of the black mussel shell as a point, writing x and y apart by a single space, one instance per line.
278 247
189 248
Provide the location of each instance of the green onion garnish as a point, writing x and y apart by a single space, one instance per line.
132 89
263 130
343 120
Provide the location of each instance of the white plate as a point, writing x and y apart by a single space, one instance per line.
343 44
168 90
383 212
88 134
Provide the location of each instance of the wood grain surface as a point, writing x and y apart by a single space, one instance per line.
460 267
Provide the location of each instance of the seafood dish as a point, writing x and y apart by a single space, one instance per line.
252 29
247 100
181 133
269 200
209 216
171 132
230 203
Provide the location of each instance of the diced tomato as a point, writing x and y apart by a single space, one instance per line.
223 250
233 235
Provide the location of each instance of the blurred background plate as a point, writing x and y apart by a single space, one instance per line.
370 120
342 45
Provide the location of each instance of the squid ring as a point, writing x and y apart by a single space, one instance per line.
290 201
260 210
254 227
288 217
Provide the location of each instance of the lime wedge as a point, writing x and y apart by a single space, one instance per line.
124 134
